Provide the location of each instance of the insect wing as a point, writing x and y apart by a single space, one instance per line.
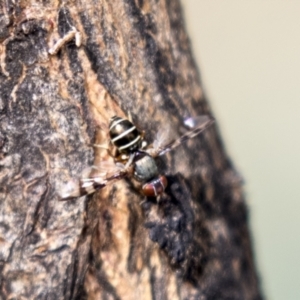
99 177
162 137
69 190
197 122
196 126
106 169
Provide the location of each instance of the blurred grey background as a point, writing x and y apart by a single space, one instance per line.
249 56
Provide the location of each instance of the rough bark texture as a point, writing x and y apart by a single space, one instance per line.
134 57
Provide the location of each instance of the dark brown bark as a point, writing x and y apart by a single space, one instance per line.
134 57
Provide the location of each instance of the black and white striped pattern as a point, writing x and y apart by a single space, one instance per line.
124 135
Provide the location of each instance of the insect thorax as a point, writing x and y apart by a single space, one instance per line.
145 167
124 135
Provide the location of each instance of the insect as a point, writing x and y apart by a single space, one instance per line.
134 159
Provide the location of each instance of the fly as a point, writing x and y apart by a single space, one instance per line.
134 159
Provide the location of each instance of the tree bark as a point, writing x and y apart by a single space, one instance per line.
56 98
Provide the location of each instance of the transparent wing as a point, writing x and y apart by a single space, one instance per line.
69 190
197 122
162 136
105 169
98 178
196 126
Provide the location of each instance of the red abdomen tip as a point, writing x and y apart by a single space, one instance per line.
155 187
